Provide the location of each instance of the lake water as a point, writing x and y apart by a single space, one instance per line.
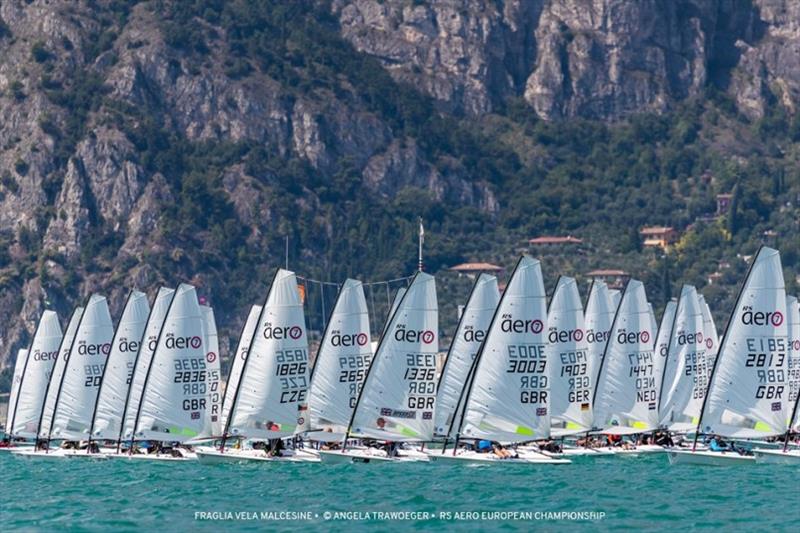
632 492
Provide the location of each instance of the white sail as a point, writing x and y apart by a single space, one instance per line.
271 400
616 297
341 365
685 375
600 310
16 379
155 321
174 405
119 367
748 394
661 347
41 357
212 369
398 297
653 322
626 399
80 383
509 397
710 337
51 390
239 357
793 374
568 355
399 393
471 330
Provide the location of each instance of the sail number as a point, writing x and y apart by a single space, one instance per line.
292 371
768 357
530 360
420 376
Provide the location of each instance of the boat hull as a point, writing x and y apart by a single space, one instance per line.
59 454
491 459
789 457
215 457
368 456
708 458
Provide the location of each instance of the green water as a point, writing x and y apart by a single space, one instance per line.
634 492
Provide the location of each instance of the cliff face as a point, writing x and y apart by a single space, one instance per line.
583 58
112 123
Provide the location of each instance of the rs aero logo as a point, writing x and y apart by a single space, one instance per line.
690 338
282 332
179 343
633 337
593 336
352 339
39 355
510 325
761 318
565 335
474 335
93 349
413 335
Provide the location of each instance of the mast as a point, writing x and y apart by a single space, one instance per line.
722 345
605 352
103 374
244 366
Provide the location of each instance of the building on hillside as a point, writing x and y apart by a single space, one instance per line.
714 277
615 279
659 236
553 242
471 270
723 203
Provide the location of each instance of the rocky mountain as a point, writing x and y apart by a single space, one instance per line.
145 143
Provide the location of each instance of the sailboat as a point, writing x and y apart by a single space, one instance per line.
710 337
626 396
344 356
213 370
684 381
144 354
115 381
568 354
16 378
174 408
44 418
459 364
270 399
747 396
508 399
599 316
25 412
239 357
397 400
79 381
787 455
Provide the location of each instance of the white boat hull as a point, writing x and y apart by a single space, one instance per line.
789 457
211 457
370 456
470 457
59 454
708 458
